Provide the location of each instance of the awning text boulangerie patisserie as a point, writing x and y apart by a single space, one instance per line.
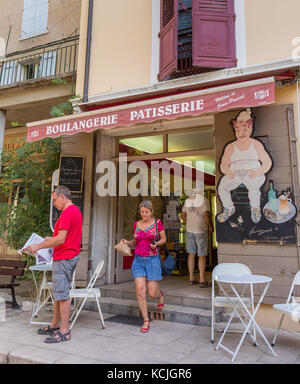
247 96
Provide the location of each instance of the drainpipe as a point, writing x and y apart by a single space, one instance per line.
88 53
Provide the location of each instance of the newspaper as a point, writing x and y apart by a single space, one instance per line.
43 256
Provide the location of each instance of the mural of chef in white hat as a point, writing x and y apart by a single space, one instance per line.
244 161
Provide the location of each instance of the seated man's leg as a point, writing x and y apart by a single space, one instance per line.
225 187
254 194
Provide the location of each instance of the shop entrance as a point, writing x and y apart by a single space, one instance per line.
165 168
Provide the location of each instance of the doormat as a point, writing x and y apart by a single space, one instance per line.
123 319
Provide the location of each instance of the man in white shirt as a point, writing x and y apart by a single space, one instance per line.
196 214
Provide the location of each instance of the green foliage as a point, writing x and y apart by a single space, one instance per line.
15 124
26 181
65 83
66 108
62 109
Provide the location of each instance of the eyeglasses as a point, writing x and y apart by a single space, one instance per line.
54 199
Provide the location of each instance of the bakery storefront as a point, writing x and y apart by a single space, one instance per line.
235 141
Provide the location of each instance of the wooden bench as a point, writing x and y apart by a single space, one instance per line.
13 268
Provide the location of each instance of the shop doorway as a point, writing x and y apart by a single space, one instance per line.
174 163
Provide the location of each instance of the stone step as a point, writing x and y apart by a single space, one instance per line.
174 313
179 300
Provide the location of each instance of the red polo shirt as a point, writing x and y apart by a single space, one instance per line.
70 220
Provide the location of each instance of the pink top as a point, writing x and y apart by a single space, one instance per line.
145 237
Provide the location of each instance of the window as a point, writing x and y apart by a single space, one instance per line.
27 69
35 18
191 141
135 146
196 36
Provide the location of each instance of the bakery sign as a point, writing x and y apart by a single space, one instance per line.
196 103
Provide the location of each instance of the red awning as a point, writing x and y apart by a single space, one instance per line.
219 99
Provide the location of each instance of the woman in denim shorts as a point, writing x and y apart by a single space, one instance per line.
148 234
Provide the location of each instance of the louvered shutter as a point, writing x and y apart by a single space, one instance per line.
35 17
168 37
41 20
28 22
214 34
8 73
47 66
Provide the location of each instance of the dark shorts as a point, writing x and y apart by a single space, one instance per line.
62 273
150 267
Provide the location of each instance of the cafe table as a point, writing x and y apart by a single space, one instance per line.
240 310
43 290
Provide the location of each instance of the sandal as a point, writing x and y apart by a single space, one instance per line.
58 338
205 284
192 282
161 306
47 331
145 330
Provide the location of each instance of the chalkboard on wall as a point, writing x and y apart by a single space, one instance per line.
71 170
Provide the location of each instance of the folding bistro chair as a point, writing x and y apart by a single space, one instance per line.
235 269
290 308
72 287
87 293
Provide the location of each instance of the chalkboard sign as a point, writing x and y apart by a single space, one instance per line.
71 170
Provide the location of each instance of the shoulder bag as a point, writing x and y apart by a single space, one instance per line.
169 263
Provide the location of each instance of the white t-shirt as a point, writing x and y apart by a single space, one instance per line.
195 207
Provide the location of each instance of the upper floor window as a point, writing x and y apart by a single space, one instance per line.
196 36
35 18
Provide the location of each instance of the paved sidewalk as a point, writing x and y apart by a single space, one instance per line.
165 343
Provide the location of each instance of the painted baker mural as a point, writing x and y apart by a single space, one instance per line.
245 162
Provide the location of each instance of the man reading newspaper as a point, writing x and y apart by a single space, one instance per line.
43 255
66 242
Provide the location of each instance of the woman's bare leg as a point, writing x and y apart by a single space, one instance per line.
141 290
154 291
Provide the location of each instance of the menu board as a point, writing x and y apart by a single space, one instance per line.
71 170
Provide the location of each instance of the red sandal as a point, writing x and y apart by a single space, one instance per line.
145 330
160 306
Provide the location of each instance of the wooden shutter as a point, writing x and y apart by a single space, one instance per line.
168 37
35 17
8 72
214 33
41 19
47 66
28 22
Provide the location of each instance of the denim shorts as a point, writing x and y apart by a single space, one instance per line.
62 273
150 267
196 243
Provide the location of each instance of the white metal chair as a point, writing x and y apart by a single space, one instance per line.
72 287
235 269
290 308
87 293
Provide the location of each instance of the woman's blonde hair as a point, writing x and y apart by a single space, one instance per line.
147 204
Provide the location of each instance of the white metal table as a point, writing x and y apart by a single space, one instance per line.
45 287
240 309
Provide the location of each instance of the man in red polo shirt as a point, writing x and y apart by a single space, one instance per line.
66 242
